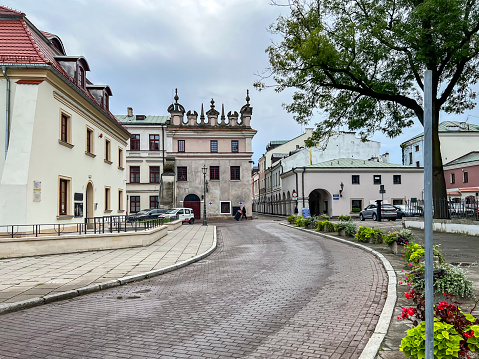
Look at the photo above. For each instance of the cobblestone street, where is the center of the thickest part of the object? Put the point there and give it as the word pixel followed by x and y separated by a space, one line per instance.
pixel 268 291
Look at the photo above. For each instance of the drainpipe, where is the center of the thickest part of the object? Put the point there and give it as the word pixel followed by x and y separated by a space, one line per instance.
pixel 7 112
pixel 293 170
pixel 302 190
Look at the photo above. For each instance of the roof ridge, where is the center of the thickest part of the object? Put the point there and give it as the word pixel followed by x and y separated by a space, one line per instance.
pixel 34 43
pixel 8 10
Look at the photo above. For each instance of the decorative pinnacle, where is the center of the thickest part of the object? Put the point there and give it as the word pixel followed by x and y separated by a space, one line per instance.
pixel 212 104
pixel 202 116
pixel 222 111
pixel 247 97
pixel 176 96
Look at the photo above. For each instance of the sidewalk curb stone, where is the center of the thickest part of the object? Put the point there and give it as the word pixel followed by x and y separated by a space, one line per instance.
pixel 30 303
pixel 371 349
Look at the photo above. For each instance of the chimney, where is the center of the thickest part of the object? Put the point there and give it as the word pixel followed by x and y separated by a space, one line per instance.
pixel 130 111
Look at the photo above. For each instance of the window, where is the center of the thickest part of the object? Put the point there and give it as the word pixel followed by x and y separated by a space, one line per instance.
pixel 63 196
pixel 65 129
pixel 81 77
pixel 181 174
pixel 154 142
pixel 108 151
pixel 235 173
pixel 214 146
pixel 134 174
pixel 153 202
pixel 120 200
pixel 225 207
pixel 134 204
pixel 234 146
pixel 453 178
pixel 356 205
pixel 416 148
pixel 120 158
pixel 410 158
pixel 355 179
pixel 135 142
pixel 465 177
pixel 214 173
pixel 377 179
pixel 107 199
pixel 396 179
pixel 154 175
pixel 397 201
pixel 181 145
pixel 89 141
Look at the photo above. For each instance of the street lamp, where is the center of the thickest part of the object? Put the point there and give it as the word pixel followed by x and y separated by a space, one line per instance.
pixel 203 169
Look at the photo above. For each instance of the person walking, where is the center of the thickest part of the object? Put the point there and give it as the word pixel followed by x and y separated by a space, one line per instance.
pixel 244 213
pixel 296 210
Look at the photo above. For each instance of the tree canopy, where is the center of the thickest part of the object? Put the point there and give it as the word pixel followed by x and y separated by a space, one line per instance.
pixel 362 62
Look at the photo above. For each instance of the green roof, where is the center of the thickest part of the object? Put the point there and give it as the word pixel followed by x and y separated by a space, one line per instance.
pixel 148 120
pixel 355 163
pixel 452 126
pixel 470 157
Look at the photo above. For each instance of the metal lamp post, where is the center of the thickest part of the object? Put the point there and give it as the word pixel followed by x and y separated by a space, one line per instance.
pixel 203 169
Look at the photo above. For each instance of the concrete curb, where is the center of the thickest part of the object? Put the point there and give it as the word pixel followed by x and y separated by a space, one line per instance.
pixel 372 347
pixel 34 302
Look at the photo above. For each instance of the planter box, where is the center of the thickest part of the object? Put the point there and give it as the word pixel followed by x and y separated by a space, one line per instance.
pixel 397 249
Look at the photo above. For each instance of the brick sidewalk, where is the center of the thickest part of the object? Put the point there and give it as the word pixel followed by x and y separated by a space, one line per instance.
pixel 27 278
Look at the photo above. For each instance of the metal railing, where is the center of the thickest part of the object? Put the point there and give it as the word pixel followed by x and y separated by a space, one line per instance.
pixel 93 225
pixel 453 208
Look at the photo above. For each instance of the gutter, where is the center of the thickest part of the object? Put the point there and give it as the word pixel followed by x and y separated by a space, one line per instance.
pixel 296 173
pixel 7 111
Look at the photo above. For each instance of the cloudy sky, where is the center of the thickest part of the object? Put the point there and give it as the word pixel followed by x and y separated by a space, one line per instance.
pixel 144 49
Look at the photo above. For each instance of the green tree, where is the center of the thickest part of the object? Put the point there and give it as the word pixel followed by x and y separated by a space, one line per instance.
pixel 362 62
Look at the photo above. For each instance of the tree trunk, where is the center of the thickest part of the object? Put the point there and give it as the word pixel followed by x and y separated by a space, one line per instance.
pixel 439 193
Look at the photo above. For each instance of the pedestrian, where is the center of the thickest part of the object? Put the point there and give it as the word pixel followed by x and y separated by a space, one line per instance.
pixel 244 213
pixel 296 210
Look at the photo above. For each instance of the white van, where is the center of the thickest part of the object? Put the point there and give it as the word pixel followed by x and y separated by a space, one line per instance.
pixel 184 214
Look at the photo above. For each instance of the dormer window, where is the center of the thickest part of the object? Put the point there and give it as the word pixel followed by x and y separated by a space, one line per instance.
pixel 81 77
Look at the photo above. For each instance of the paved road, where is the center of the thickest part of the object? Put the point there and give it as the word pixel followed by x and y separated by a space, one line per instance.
pixel 267 292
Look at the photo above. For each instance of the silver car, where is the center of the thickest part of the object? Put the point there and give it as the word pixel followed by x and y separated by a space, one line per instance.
pixel 387 212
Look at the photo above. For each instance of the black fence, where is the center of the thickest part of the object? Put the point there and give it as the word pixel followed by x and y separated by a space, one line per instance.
pixel 453 208
pixel 94 225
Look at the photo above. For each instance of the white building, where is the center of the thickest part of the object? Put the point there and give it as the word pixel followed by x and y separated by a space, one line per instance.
pixel 345 186
pixel 457 139
pixel 145 161
pixel 64 151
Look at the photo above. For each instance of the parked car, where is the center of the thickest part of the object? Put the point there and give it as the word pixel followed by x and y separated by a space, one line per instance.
pixel 184 214
pixel 387 212
pixel 408 211
pixel 145 214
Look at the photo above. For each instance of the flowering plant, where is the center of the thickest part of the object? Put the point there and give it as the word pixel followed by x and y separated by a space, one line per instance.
pixel 404 236
pixel 455 333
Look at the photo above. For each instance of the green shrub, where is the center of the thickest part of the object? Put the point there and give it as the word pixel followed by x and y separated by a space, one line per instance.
pixel 404 236
pixel 415 252
pixel 306 221
pixel 298 221
pixel 320 225
pixel 446 279
pixel 345 218
pixel 290 219
pixel 329 226
pixel 350 229
pixel 324 216
pixel 355 210
pixel 365 234
pixel 446 341
pixel 166 220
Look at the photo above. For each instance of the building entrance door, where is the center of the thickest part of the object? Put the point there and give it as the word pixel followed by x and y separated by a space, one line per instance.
pixel 193 201
pixel 89 213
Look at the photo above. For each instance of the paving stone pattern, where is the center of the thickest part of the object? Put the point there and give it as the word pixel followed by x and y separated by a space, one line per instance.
pixel 267 292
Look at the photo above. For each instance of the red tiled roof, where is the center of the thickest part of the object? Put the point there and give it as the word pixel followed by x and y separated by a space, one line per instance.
pixel 7 11
pixel 22 44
